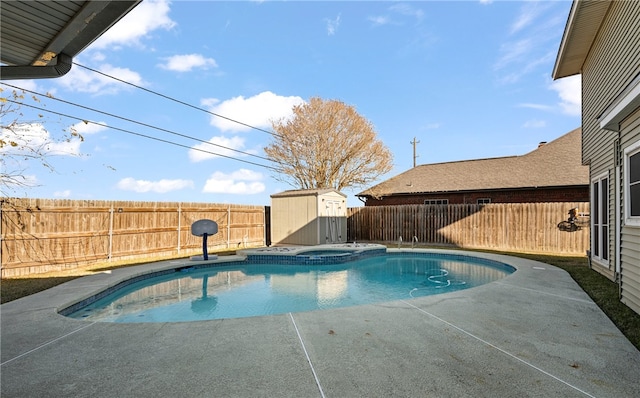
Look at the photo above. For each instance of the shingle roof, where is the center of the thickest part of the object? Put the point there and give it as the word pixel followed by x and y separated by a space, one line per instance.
pixel 557 163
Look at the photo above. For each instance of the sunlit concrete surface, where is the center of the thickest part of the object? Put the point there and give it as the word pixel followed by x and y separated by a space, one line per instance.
pixel 534 333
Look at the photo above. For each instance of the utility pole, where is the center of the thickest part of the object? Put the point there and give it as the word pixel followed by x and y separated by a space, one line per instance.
pixel 414 142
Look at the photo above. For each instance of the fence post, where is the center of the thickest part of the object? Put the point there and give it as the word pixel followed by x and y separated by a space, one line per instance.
pixel 228 226
pixel 110 231
pixel 179 226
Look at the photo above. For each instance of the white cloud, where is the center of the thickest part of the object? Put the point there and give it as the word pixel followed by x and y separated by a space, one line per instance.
pixel 524 65
pixel 148 16
pixel 202 151
pixel 406 9
pixel 34 140
pixel 256 111
pixel 513 52
pixel 187 62
pixel 83 128
pixel 530 12
pixel 85 81
pixel 98 57
pixel 403 9
pixel 531 35
pixel 379 20
pixel 62 194
pixel 161 186
pixel 534 124
pixel 24 85
pixel 30 180
pixel 432 126
pixel 535 106
pixel 243 182
pixel 569 90
pixel 332 25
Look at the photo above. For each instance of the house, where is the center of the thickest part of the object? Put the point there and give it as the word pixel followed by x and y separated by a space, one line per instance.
pixel 601 43
pixel 551 173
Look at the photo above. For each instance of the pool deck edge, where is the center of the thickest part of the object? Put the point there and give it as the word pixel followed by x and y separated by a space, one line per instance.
pixel 532 333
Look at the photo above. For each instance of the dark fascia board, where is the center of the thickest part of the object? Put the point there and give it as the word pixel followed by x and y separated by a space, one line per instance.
pixel 474 190
pixel 93 20
pixel 60 68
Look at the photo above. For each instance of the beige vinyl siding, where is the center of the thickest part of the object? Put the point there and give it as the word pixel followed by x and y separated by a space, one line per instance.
pixel 608 69
pixel 630 235
pixel 630 272
pixel 610 66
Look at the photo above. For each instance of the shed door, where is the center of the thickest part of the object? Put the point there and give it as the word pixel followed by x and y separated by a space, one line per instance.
pixel 332 215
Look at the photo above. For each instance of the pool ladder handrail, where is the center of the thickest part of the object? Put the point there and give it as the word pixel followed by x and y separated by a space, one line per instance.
pixel 414 240
pixel 399 241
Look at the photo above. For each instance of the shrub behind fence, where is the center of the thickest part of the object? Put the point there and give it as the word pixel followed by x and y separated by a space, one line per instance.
pixel 523 227
pixel 41 235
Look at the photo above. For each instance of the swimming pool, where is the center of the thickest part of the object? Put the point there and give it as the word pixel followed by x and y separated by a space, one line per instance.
pixel 256 288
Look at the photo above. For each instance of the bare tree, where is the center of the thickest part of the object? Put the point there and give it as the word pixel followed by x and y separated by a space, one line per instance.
pixel 24 141
pixel 327 144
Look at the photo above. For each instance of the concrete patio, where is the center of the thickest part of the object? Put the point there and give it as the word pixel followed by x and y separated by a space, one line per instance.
pixel 534 333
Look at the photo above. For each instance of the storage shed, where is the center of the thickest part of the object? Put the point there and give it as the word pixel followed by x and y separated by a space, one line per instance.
pixel 308 217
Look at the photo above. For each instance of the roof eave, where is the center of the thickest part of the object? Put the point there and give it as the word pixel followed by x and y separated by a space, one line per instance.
pixel 366 195
pixel 55 60
pixel 583 25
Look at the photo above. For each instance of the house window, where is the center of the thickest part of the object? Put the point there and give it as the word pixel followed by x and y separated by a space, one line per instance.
pixel 632 184
pixel 436 202
pixel 600 218
pixel 484 201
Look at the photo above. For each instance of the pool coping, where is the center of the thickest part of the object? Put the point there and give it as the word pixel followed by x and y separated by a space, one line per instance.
pixel 534 332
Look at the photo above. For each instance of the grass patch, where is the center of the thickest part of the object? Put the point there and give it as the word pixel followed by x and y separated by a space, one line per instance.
pixel 13 289
pixel 601 290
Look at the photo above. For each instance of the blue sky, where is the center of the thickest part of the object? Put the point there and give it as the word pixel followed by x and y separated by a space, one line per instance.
pixel 468 79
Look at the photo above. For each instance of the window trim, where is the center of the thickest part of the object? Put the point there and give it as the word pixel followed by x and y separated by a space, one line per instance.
pixel 483 201
pixel 631 150
pixel 597 223
pixel 622 106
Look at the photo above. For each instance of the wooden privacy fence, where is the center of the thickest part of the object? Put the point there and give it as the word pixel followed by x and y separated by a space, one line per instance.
pixel 523 227
pixel 40 235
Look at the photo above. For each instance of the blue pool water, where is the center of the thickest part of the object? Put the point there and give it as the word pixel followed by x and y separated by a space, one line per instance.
pixel 245 290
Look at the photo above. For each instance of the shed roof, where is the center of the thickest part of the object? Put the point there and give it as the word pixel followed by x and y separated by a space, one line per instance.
pixel 38 39
pixel 555 164
pixel 307 192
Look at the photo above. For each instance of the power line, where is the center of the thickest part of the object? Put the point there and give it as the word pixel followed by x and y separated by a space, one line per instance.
pixel 136 122
pixel 140 134
pixel 178 101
